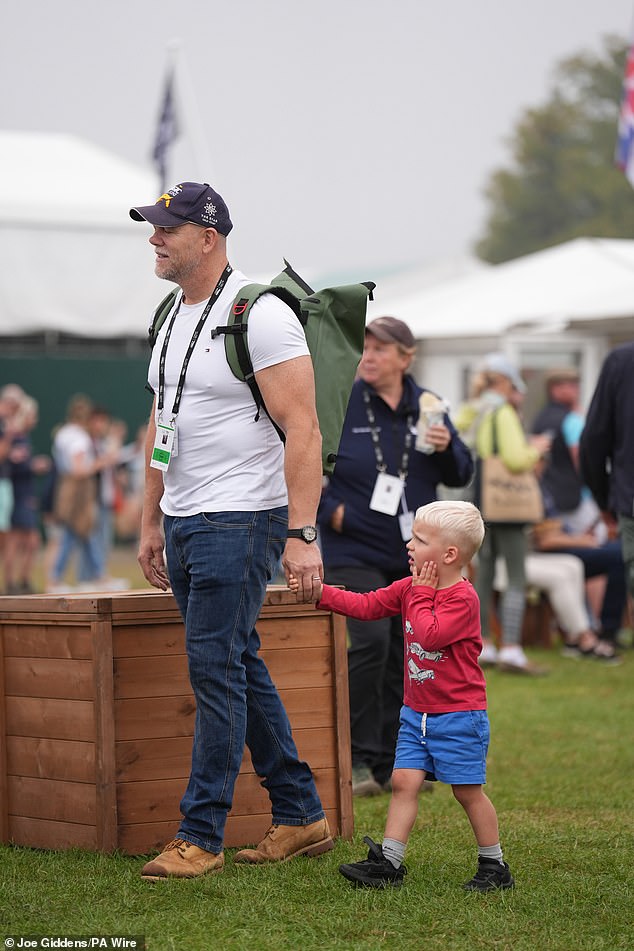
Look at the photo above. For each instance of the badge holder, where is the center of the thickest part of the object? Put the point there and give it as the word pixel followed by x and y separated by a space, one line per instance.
pixel 164 446
pixel 406 520
pixel 386 494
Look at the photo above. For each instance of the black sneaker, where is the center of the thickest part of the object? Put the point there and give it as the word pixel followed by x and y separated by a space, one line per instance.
pixel 376 871
pixel 491 874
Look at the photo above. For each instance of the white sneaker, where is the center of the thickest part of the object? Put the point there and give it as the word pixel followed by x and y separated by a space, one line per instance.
pixel 489 656
pixel 513 655
pixel 512 658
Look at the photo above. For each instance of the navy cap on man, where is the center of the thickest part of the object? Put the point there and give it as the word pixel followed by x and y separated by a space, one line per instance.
pixel 188 202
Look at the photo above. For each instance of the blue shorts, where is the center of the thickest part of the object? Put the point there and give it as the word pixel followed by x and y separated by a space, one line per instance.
pixel 451 747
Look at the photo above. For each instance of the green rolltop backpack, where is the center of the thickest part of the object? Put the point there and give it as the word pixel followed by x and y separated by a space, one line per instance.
pixel 334 323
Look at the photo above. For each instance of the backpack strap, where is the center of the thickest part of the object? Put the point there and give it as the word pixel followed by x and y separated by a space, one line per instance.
pixel 236 342
pixel 160 315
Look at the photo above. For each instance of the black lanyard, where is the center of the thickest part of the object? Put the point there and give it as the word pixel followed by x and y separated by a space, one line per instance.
pixel 215 294
pixel 376 442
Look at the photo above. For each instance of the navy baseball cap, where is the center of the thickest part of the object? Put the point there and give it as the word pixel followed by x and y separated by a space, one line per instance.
pixel 188 202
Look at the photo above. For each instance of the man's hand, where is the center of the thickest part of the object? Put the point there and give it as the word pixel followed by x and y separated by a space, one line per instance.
pixel 293 584
pixel 303 564
pixel 427 575
pixel 152 560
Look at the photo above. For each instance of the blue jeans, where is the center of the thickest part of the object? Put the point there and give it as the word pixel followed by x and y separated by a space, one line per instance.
pixel 219 565
pixel 88 568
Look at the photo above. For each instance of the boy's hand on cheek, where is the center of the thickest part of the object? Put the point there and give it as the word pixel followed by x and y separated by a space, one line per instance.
pixel 427 575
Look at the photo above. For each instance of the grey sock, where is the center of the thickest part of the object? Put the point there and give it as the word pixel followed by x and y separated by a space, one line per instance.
pixel 491 852
pixel 394 851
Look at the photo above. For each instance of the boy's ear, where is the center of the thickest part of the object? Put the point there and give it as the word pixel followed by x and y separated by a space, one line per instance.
pixel 451 555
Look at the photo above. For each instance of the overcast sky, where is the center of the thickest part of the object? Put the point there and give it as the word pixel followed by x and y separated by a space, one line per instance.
pixel 351 136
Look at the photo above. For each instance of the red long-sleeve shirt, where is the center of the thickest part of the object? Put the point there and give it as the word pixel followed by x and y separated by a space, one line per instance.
pixel 442 640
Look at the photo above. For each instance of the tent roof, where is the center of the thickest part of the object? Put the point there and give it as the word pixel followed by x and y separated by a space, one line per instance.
pixel 584 279
pixel 60 180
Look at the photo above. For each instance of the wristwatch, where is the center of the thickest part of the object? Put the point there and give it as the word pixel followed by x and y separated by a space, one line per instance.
pixel 307 534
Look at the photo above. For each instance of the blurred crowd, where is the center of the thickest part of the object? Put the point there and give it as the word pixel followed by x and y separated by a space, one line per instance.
pixel 61 512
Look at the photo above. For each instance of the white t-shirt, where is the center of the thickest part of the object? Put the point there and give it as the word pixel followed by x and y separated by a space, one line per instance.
pixel 226 461
pixel 70 441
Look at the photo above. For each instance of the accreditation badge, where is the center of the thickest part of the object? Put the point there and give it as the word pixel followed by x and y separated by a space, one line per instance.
pixel 163 449
pixel 387 494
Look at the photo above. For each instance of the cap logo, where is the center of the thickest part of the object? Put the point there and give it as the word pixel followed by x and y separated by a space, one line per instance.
pixel 208 213
pixel 171 193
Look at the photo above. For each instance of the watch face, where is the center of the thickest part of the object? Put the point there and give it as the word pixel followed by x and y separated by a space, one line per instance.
pixel 309 534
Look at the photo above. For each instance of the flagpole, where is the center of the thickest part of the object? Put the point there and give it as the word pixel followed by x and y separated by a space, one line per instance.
pixel 192 125
pixel 167 131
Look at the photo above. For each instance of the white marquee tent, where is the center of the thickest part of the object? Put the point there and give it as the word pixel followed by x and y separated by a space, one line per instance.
pixel 564 305
pixel 72 259
pixel 587 279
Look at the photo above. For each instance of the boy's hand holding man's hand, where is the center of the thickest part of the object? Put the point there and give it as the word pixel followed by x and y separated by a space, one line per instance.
pixel 427 575
pixel 293 585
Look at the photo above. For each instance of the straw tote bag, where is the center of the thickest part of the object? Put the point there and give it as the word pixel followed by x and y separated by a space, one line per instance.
pixel 505 496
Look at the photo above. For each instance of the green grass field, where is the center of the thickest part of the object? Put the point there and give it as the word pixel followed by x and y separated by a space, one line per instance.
pixel 561 774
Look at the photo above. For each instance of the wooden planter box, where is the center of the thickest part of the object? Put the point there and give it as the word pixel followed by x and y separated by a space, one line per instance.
pixel 97 716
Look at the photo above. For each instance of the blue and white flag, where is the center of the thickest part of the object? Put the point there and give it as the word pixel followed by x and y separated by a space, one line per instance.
pixel 624 155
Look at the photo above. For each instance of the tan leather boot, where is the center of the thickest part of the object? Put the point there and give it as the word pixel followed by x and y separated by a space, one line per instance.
pixel 285 842
pixel 180 859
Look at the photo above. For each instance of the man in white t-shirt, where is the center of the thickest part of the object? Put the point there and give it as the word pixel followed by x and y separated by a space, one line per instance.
pixel 225 500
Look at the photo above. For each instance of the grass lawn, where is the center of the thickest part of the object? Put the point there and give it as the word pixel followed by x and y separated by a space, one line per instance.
pixel 561 774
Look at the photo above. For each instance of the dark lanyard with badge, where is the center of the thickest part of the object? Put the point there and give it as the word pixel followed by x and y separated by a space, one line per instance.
pixel 389 490
pixel 166 441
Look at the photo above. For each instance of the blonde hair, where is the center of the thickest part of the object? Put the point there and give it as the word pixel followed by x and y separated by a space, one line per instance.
pixel 459 523
pixel 26 413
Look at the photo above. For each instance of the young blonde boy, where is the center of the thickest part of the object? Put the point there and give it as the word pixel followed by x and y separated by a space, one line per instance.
pixel 444 732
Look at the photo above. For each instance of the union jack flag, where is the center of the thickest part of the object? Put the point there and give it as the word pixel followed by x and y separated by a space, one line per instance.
pixel 167 131
pixel 624 155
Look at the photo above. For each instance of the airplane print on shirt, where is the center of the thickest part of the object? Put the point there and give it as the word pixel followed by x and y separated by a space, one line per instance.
pixel 416 673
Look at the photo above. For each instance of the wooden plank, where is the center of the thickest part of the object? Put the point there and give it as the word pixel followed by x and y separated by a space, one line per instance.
pixel 149 837
pixel 144 719
pixel 309 708
pixel 159 801
pixel 170 757
pixel 342 724
pixel 148 639
pixel 305 669
pixel 161 677
pixel 294 633
pixel 47 834
pixel 86 604
pixel 44 639
pixel 156 676
pixel 49 677
pixel 51 799
pixel 51 759
pixel 166 757
pixel 58 719
pixel 105 768
pixel 4 816
pixel 317 746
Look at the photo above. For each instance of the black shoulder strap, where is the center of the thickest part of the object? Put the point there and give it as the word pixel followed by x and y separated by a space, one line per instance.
pixel 236 341
pixel 160 315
